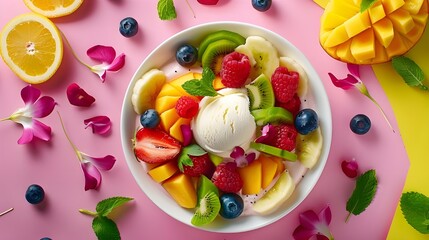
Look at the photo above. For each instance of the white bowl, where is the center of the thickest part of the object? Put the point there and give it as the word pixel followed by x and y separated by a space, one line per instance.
pixel 165 53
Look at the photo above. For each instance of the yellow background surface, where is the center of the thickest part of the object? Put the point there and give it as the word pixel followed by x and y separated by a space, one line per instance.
pixel 411 108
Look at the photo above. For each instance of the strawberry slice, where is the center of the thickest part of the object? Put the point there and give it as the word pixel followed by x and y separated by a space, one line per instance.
pixel 155 146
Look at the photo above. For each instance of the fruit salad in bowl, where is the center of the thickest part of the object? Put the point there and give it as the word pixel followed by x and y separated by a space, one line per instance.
pixel 226 127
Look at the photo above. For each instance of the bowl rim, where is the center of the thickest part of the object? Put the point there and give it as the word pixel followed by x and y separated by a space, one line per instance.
pixel 320 94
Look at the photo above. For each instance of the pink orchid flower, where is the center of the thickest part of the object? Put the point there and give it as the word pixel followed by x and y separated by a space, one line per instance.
pixel 90 165
pixel 109 62
pixel 35 107
pixel 312 224
pixel 78 97
pixel 241 158
pixel 353 81
pixel 99 124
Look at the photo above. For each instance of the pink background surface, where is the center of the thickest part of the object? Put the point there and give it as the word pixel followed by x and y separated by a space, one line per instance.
pixel 54 166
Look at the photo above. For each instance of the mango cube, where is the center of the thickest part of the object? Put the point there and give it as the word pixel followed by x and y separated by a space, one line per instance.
pixel 362 46
pixel 181 189
pixel 402 21
pixel 164 171
pixel 168 90
pixel 269 169
pixel 168 118
pixel 252 177
pixel 176 131
pixel 376 12
pixel 357 24
pixel 413 6
pixel 392 5
pixel 165 103
pixel 384 32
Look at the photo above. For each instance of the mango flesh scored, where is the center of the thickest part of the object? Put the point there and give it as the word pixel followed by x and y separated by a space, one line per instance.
pixel 165 104
pixel 164 171
pixel 252 178
pixel 181 188
pixel 388 28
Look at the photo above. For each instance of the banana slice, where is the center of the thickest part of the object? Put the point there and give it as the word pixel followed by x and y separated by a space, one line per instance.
pixel 309 147
pixel 276 196
pixel 293 65
pixel 264 54
pixel 146 89
pixel 246 51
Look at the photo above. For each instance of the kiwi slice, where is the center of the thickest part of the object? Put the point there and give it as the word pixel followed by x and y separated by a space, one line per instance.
pixel 205 186
pixel 214 53
pixel 207 209
pixel 272 115
pixel 219 35
pixel 275 151
pixel 260 92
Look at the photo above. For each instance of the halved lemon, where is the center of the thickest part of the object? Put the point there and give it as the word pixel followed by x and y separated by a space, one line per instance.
pixel 31 46
pixel 53 8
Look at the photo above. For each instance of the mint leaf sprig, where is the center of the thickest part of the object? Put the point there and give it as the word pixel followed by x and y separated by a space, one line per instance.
pixel 167 11
pixel 415 208
pixel 202 87
pixel 409 71
pixel 104 227
pixel 191 150
pixel 363 194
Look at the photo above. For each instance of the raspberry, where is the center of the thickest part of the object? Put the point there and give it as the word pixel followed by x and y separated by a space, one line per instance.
pixel 285 137
pixel 284 83
pixel 202 165
pixel 293 105
pixel 235 70
pixel 227 178
pixel 186 107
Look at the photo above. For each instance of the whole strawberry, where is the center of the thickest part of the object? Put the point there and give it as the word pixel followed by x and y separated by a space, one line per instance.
pixel 285 84
pixel 235 70
pixel 201 165
pixel 226 177
pixel 284 137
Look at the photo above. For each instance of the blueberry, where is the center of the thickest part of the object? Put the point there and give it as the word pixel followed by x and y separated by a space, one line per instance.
pixel 128 27
pixel 231 205
pixel 34 194
pixel 360 124
pixel 261 5
pixel 186 55
pixel 45 238
pixel 306 121
pixel 150 118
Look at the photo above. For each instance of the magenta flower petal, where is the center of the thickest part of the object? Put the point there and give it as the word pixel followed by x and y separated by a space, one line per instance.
pixel 237 152
pixel 345 83
pixel 187 134
pixel 92 176
pixel 43 107
pixel 325 216
pixel 302 233
pixel 78 97
pixel 104 163
pixel 350 168
pixel 267 134
pixel 99 124
pixel 321 237
pixel 353 69
pixel 308 219
pixel 117 64
pixel 250 157
pixel 30 94
pixel 105 54
pixel 33 128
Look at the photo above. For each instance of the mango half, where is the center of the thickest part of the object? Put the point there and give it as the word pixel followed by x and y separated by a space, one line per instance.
pixel 386 29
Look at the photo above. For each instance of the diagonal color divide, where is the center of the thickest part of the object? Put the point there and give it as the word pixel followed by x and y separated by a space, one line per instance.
pixel 405 102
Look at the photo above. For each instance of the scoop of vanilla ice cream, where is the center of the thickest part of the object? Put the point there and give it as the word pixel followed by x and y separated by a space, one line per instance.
pixel 224 122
